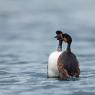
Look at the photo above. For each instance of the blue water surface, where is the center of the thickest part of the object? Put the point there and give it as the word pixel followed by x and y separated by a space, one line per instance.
pixel 27 30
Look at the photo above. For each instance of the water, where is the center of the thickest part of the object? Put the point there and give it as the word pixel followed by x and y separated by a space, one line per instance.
pixel 27 28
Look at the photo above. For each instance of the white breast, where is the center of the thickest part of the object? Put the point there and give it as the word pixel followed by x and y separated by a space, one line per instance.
pixel 52 64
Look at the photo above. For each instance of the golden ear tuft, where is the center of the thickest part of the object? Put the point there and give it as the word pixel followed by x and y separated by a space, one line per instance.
pixel 65 40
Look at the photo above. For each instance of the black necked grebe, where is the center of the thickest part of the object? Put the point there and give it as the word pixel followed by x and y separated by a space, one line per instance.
pixel 67 63
pixel 52 61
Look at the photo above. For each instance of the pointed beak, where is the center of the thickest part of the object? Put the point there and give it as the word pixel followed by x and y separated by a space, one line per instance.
pixel 55 36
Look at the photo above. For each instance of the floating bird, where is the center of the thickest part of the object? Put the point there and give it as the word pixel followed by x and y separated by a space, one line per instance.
pixel 53 58
pixel 67 63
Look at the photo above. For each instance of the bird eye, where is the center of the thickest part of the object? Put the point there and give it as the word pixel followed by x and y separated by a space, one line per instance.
pixel 58 32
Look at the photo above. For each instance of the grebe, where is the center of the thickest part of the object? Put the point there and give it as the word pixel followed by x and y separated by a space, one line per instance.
pixel 67 63
pixel 52 61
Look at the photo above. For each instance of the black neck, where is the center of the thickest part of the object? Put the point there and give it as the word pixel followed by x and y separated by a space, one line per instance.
pixel 60 46
pixel 69 47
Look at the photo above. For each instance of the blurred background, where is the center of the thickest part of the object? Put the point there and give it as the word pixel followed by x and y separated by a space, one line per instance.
pixel 27 30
